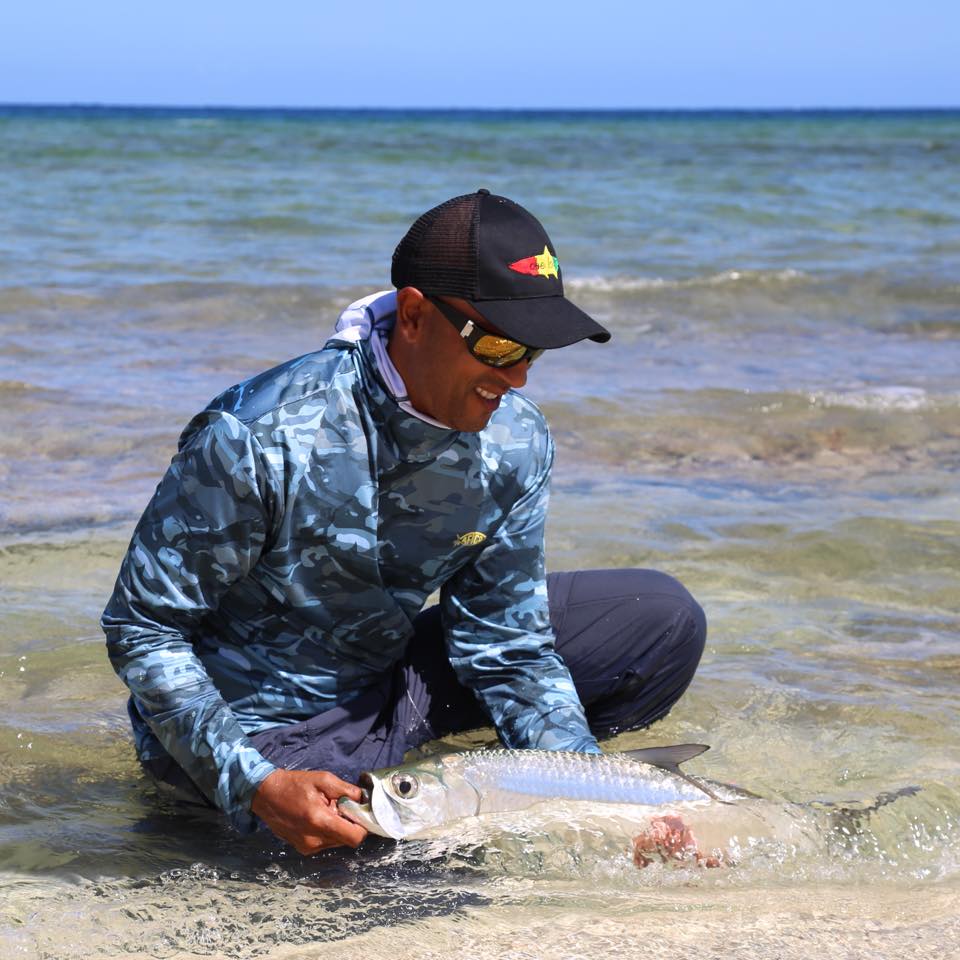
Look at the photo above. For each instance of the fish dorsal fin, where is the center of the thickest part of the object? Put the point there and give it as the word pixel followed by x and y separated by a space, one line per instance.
pixel 668 758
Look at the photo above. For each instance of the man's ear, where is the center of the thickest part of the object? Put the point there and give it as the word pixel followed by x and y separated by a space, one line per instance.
pixel 411 314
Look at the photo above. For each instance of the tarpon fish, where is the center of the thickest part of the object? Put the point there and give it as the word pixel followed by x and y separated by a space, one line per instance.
pixel 406 800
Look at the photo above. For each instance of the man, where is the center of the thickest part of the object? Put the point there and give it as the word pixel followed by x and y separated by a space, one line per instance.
pixel 268 615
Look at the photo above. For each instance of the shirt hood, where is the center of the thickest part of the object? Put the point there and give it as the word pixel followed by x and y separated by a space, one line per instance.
pixel 370 319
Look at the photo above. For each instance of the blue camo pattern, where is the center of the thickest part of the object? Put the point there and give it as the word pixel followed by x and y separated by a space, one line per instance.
pixel 299 529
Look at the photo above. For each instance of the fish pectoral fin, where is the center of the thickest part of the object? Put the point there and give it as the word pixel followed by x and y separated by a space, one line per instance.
pixel 479 795
pixel 668 758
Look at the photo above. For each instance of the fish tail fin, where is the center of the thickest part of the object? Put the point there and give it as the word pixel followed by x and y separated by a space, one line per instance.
pixel 850 817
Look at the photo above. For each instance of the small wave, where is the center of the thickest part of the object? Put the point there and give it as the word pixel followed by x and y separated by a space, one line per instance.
pixel 20 299
pixel 60 301
pixel 275 223
pixel 760 278
pixel 935 218
pixel 881 399
pixel 10 387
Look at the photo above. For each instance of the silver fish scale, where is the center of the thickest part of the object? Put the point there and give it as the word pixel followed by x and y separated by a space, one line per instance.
pixel 577 776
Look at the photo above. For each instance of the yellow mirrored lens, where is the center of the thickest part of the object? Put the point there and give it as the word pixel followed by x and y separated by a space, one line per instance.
pixel 498 351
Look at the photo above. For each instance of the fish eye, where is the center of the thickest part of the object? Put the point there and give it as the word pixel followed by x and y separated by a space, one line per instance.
pixel 405 785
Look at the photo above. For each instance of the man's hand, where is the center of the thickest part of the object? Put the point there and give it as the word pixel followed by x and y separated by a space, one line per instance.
pixel 669 838
pixel 300 806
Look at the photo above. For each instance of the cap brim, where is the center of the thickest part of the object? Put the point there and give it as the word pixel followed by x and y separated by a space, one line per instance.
pixel 541 322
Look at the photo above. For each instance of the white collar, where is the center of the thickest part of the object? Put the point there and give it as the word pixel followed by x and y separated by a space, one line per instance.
pixel 372 318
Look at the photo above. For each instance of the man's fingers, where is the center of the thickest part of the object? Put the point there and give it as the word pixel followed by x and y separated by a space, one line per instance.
pixel 300 807
pixel 669 838
pixel 335 788
pixel 332 831
pixel 336 828
pixel 347 832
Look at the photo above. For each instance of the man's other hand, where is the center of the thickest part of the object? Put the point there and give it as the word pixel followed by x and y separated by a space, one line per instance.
pixel 300 806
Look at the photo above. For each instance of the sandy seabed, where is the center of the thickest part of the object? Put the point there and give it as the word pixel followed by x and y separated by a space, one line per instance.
pixel 842 923
pixel 834 924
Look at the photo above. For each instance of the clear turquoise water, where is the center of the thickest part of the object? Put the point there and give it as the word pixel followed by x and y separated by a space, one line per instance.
pixel 777 422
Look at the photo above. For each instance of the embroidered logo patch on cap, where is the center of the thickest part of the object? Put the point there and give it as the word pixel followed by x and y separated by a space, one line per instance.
pixel 542 265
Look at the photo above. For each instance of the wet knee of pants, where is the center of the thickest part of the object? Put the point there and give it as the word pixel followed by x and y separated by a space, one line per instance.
pixel 663 634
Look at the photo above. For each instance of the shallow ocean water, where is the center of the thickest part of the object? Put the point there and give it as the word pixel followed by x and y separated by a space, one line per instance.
pixel 777 423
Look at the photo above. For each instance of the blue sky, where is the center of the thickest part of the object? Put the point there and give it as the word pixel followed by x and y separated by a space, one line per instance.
pixel 592 53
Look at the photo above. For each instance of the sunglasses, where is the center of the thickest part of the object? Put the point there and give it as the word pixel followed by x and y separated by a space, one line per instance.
pixel 487 347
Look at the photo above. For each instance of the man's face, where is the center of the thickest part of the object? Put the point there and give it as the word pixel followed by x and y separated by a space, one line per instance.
pixel 443 378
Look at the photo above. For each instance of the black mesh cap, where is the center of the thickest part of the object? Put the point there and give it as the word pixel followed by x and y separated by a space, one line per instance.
pixel 492 253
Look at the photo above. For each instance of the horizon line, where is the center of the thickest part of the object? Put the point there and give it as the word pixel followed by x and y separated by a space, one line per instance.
pixel 106 105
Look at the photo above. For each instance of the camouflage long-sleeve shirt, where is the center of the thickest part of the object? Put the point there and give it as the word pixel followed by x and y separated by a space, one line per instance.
pixel 297 533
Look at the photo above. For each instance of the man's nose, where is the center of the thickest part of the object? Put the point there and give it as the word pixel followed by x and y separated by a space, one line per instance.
pixel 515 376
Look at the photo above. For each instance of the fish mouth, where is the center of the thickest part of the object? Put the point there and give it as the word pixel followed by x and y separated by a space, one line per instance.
pixel 363 813
pixel 360 812
pixel 365 782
